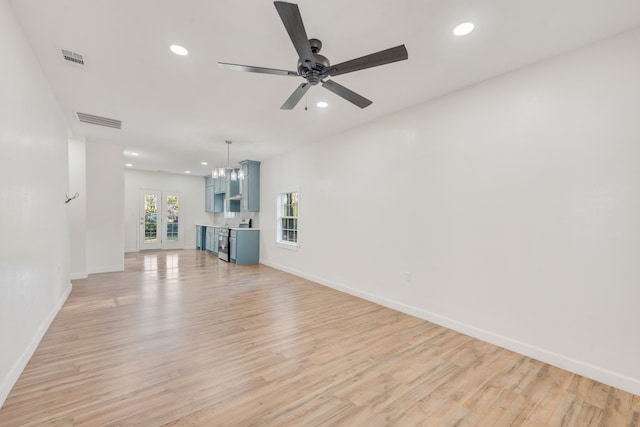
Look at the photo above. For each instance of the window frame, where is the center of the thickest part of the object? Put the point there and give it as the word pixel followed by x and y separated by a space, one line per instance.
pixel 280 216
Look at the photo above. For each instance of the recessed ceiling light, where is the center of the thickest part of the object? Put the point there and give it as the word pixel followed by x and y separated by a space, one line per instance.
pixel 463 29
pixel 134 154
pixel 179 50
pixel 204 163
pixel 128 165
pixel 322 104
pixel 187 171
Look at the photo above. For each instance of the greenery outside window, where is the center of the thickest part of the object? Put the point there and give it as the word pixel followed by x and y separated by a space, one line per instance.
pixel 288 206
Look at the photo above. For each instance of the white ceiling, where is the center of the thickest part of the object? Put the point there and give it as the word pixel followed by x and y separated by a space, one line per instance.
pixel 178 111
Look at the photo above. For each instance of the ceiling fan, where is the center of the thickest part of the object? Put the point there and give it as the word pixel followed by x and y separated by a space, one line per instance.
pixel 315 68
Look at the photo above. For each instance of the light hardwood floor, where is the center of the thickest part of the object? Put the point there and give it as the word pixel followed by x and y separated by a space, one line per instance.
pixel 181 338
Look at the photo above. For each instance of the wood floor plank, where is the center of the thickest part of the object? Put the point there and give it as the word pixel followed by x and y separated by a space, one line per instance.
pixel 181 338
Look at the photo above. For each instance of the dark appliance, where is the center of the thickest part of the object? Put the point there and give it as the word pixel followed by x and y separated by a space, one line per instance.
pixel 223 244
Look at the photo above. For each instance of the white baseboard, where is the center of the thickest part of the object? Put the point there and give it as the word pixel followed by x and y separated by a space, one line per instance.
pixel 13 375
pixel 107 269
pixel 605 376
pixel 185 247
pixel 81 275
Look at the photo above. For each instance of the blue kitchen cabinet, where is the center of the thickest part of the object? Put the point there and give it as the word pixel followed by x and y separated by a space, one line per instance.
pixel 213 201
pixel 219 185
pixel 232 186
pixel 216 239
pixel 201 237
pixel 212 242
pixel 208 194
pixel 250 185
pixel 244 246
pixel 218 202
pixel 232 194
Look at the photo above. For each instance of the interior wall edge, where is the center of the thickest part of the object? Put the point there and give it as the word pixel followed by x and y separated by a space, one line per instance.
pixel 12 377
pixel 605 376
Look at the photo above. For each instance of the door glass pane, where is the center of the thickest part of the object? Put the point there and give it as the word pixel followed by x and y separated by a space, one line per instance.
pixel 150 218
pixel 172 218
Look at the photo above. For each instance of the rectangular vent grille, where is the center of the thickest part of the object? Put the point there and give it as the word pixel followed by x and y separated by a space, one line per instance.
pixel 100 121
pixel 74 57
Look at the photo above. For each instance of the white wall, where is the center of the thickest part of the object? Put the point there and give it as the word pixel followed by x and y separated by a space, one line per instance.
pixel 77 208
pixel 34 253
pixel 508 211
pixel 191 189
pixel 105 208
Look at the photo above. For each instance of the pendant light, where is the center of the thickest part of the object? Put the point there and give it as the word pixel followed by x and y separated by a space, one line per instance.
pixel 220 172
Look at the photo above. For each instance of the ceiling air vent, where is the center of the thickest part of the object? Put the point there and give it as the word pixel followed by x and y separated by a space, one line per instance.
pixel 100 121
pixel 73 57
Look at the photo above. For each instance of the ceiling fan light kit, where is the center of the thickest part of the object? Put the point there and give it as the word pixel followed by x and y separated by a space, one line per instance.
pixel 315 68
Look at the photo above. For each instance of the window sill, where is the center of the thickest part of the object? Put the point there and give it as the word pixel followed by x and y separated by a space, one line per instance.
pixel 289 246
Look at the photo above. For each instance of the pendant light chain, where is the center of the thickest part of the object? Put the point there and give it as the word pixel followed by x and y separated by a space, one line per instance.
pixel 232 172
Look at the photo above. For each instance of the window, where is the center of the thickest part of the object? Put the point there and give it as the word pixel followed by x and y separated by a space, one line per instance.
pixel 288 218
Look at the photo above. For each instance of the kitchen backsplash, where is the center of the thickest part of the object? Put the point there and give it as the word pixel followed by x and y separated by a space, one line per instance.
pixel 219 219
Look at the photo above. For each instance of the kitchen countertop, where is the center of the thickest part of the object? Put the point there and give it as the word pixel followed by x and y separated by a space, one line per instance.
pixel 227 226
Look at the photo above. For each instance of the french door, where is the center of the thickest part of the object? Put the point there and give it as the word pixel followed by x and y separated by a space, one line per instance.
pixel 159 220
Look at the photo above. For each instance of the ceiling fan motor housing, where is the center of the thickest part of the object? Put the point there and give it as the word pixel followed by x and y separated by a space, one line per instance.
pixel 314 75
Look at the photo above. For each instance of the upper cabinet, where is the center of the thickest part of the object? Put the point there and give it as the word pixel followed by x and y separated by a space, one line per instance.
pixel 232 195
pixel 219 184
pixel 250 185
pixel 213 202
pixel 208 194
pixel 232 186
pixel 239 195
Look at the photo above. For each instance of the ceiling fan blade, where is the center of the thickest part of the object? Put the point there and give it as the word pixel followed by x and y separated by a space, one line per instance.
pixel 292 20
pixel 394 54
pixel 296 96
pixel 251 69
pixel 347 94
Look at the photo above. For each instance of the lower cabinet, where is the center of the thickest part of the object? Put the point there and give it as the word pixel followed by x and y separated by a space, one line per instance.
pixel 216 237
pixel 212 242
pixel 199 239
pixel 244 246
